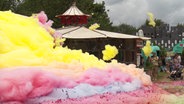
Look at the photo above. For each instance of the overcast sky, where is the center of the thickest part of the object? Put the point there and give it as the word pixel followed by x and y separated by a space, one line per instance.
pixel 134 12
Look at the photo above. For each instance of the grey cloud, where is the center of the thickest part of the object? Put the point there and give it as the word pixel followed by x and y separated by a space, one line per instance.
pixel 168 10
pixel 112 2
pixel 129 12
pixel 134 12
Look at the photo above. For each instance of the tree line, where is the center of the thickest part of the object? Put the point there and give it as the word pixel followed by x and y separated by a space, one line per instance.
pixel 56 7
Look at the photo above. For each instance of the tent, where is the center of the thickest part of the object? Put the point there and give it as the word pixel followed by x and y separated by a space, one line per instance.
pixel 178 48
pixel 155 49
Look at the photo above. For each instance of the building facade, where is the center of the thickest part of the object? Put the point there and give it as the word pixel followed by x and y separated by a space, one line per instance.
pixel 164 35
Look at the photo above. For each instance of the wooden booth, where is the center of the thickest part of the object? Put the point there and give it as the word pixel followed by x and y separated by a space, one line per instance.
pixel 94 41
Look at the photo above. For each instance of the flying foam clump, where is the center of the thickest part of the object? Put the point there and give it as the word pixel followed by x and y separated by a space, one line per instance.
pixel 109 52
pixel 151 19
pixel 147 48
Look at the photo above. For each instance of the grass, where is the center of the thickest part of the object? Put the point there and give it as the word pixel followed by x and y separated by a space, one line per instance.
pixel 163 77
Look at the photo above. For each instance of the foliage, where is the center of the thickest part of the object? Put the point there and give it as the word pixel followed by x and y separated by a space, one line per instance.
pixel 148 65
pixel 27 7
pixel 124 28
pixel 180 25
pixel 9 4
pixel 158 22
pixel 163 52
pixel 55 7
pixel 51 8
pixel 97 12
pixel 182 53
pixel 182 57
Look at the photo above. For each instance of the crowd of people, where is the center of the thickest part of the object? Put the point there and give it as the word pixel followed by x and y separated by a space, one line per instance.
pixel 175 67
pixel 168 64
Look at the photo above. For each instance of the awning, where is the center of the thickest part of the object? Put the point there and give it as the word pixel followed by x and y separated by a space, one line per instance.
pixel 178 48
pixel 116 35
pixel 80 33
pixel 83 32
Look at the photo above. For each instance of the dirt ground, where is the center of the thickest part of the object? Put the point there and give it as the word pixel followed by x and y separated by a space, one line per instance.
pixel 172 86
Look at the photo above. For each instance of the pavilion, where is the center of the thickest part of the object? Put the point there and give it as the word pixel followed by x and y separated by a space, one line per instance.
pixel 94 41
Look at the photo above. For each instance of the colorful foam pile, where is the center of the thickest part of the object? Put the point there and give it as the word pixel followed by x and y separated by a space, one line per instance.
pixel 33 72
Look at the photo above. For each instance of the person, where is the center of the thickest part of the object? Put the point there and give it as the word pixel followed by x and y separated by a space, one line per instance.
pixel 154 60
pixel 176 61
pixel 148 66
pixel 179 58
pixel 172 63
pixel 141 62
pixel 163 64
pixel 168 61
pixel 177 73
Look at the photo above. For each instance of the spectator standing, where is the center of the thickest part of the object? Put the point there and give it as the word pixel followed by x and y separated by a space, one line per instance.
pixel 148 66
pixel 154 60
pixel 163 64
pixel 168 63
pixel 176 61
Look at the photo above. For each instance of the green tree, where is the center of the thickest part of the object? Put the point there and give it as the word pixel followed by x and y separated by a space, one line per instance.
pixel 9 4
pixel 182 57
pixel 124 28
pixel 56 7
pixel 163 51
pixel 157 21
pixel 180 25
pixel 100 16
pixel 51 8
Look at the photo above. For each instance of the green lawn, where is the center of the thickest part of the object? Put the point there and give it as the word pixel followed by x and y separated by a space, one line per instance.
pixel 163 77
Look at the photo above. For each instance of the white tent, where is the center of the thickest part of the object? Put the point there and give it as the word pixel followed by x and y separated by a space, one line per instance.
pixel 82 33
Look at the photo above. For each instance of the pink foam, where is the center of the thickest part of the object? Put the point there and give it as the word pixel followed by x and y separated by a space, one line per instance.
pixel 133 71
pixel 42 17
pixel 100 77
pixel 18 85
pixel 21 83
